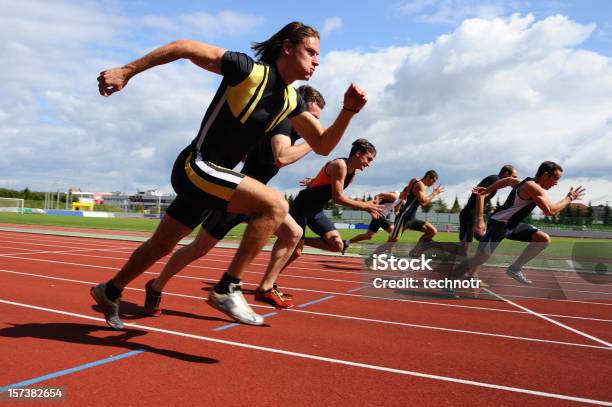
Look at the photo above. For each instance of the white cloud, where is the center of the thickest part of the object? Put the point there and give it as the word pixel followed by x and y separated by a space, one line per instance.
pixel 331 24
pixel 494 91
pixel 452 12
pixel 144 152
pixel 224 23
pixel 159 22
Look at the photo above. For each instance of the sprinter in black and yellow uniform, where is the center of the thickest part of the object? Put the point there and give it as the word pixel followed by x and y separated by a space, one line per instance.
pixel 254 97
pixel 263 162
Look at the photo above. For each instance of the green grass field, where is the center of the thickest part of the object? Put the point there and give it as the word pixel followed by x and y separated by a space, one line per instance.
pixel 561 246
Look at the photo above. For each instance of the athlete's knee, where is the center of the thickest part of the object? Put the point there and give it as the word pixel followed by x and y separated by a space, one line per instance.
pixel 275 206
pixel 541 237
pixel 430 230
pixel 294 235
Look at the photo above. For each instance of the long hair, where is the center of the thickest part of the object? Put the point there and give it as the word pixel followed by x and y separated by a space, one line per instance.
pixel 269 50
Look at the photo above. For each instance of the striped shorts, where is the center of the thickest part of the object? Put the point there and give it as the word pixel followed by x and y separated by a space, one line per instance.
pixel 200 186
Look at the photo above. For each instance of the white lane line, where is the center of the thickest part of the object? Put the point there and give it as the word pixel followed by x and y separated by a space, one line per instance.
pixel 261 273
pixel 75 252
pixel 443 304
pixel 552 321
pixel 330 360
pixel 67 245
pixel 348 317
pixel 220 250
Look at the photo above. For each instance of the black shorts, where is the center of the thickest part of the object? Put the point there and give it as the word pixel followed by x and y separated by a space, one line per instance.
pixel 376 224
pixel 498 231
pixel 407 223
pixel 317 221
pixel 467 222
pixel 218 223
pixel 200 186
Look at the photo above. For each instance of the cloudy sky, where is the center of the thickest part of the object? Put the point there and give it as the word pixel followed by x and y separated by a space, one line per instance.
pixel 459 86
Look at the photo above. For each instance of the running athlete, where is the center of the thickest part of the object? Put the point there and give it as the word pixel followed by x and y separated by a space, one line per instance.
pixel 390 201
pixel 330 182
pixel 506 222
pixel 262 163
pixel 471 217
pixel 253 98
pixel 416 197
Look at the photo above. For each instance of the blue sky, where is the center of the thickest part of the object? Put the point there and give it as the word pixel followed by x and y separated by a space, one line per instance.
pixel 369 24
pixel 459 86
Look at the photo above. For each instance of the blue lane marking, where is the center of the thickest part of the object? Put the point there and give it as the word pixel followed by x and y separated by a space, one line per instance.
pixel 315 301
pixel 233 324
pixel 68 371
pixel 358 288
pixel 221 328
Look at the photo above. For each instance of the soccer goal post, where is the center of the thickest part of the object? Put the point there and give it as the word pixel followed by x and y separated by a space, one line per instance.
pixel 11 205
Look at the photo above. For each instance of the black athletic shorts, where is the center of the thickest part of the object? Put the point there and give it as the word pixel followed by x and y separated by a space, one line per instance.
pixel 467 222
pixel 408 223
pixel 200 186
pixel 317 221
pixel 219 223
pixel 498 231
pixel 379 223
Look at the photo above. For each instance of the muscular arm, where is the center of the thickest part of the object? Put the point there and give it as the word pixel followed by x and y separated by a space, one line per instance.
pixel 536 193
pixel 284 153
pixel 480 209
pixel 425 200
pixel 204 55
pixel 389 196
pixel 337 172
pixel 323 140
pixel 499 184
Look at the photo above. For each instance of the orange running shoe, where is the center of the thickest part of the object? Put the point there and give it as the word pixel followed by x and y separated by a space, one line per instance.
pixel 274 298
pixel 285 295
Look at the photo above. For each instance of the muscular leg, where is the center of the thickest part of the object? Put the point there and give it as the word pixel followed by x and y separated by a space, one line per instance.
pixel 330 241
pixel 166 236
pixel 108 295
pixel 539 242
pixel 296 253
pixel 184 256
pixel 289 235
pixel 266 208
pixel 471 265
pixel 429 231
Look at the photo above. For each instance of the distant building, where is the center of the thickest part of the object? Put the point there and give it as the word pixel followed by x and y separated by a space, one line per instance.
pixel 150 200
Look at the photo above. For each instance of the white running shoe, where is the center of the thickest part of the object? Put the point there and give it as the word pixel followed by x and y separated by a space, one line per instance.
pixel 109 308
pixel 234 305
pixel 518 275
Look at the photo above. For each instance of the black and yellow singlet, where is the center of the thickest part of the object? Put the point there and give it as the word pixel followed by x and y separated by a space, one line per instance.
pixel 251 101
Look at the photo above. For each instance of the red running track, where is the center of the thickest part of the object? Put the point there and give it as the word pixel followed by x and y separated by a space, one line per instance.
pixel 342 350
